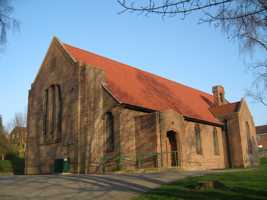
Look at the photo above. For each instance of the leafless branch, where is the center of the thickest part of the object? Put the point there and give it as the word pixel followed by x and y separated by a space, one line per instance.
pixel 242 20
pixel 6 20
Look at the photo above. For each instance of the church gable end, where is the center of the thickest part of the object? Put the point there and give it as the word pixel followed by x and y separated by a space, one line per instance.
pixel 52 97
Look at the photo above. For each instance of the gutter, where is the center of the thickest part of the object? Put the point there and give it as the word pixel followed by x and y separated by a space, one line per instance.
pixel 148 110
pixel 203 121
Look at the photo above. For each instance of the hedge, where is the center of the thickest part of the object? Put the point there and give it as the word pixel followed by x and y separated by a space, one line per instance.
pixel 13 164
pixel 6 166
pixel 18 164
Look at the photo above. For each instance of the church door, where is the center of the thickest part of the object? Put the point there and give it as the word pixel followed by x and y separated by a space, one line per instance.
pixel 173 153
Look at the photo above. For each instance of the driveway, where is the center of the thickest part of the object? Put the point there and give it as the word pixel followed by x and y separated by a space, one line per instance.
pixel 96 187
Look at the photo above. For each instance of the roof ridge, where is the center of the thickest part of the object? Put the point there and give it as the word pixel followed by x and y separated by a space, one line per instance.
pixel 135 68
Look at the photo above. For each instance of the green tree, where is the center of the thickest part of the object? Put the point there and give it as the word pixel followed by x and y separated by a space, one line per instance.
pixel 1 125
pixel 4 143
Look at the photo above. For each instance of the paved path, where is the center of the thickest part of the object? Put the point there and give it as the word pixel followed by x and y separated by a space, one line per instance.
pixel 96 187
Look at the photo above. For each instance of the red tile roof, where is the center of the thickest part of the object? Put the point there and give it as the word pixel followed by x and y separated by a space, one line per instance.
pixel 223 110
pixel 139 88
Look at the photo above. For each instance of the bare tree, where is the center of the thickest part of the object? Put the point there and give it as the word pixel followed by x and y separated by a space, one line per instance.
pixel 19 120
pixel 6 20
pixel 242 20
pixel 4 144
pixel 1 125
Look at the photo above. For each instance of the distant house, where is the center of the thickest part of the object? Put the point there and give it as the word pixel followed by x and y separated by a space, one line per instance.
pixel 262 135
pixel 101 115
pixel 17 138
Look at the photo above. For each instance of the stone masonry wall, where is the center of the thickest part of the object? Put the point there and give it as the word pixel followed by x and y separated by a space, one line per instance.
pixel 126 128
pixel 91 134
pixel 235 147
pixel 237 131
pixel 185 137
pixel 244 116
pixel 146 140
pixel 59 69
pixel 207 159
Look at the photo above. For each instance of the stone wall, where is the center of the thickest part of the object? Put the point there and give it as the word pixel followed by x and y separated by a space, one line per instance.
pixel 146 140
pixel 245 117
pixel 91 131
pixel 208 158
pixel 241 131
pixel 234 137
pixel 186 146
pixel 59 69
pixel 126 128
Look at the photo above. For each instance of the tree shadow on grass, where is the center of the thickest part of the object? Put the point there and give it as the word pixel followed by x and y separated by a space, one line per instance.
pixel 180 192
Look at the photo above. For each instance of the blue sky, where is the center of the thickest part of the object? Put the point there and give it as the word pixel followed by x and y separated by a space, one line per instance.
pixel 196 55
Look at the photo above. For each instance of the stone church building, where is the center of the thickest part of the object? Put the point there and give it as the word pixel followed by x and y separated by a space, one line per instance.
pixel 101 115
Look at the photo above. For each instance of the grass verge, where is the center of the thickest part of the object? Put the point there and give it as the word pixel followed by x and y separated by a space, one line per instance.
pixel 240 185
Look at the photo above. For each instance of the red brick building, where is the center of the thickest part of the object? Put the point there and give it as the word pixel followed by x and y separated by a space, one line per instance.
pixel 262 135
pixel 103 115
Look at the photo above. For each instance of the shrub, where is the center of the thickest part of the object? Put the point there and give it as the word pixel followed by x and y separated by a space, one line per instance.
pixel 263 161
pixel 6 166
pixel 17 163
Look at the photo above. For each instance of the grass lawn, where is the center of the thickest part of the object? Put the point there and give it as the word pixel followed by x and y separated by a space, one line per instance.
pixel 247 184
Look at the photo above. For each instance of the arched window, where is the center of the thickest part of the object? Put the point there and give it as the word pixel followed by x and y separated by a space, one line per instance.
pixel 110 137
pixel 215 142
pixel 249 141
pixel 52 111
pixel 198 139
